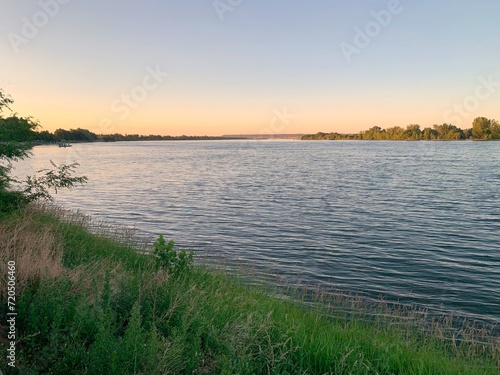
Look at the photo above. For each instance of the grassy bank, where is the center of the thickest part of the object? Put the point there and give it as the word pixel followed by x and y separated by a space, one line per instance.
pixel 90 304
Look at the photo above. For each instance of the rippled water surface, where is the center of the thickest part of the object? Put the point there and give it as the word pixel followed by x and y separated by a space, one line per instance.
pixel 417 222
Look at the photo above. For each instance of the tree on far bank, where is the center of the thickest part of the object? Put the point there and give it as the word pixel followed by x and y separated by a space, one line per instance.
pixel 495 129
pixel 481 128
pixel 46 137
pixel 75 135
pixel 413 132
pixel 429 134
pixel 449 132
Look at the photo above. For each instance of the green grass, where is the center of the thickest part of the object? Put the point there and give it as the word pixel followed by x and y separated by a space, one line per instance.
pixel 106 309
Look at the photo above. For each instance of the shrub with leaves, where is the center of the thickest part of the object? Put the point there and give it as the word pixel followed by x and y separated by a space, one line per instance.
pixel 37 187
pixel 168 259
pixel 16 136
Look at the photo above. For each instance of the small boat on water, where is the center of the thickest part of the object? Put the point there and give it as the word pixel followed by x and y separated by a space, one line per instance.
pixel 64 144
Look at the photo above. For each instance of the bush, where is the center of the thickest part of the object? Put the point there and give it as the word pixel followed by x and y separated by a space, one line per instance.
pixel 11 201
pixel 168 259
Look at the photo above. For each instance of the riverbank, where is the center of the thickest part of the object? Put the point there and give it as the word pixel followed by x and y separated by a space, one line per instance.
pixel 91 303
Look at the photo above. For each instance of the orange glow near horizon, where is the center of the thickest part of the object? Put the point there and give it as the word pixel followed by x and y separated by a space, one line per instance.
pixel 176 110
pixel 215 119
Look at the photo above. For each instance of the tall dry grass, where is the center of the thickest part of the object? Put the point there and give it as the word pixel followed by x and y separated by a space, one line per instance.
pixel 34 249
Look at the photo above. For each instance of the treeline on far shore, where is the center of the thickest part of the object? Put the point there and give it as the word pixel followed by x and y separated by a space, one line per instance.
pixel 84 135
pixel 482 129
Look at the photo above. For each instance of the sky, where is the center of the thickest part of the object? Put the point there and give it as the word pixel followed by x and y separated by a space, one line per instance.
pixel 213 67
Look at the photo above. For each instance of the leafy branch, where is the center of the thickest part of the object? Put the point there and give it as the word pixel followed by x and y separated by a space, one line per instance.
pixel 38 187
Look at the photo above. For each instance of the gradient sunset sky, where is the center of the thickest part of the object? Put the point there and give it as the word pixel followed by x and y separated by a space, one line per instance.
pixel 256 66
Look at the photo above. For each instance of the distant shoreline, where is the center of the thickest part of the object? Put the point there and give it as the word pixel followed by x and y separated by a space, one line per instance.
pixel 268 139
pixel 482 129
pixel 179 138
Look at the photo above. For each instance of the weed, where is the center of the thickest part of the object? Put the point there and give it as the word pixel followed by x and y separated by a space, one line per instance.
pixel 168 259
